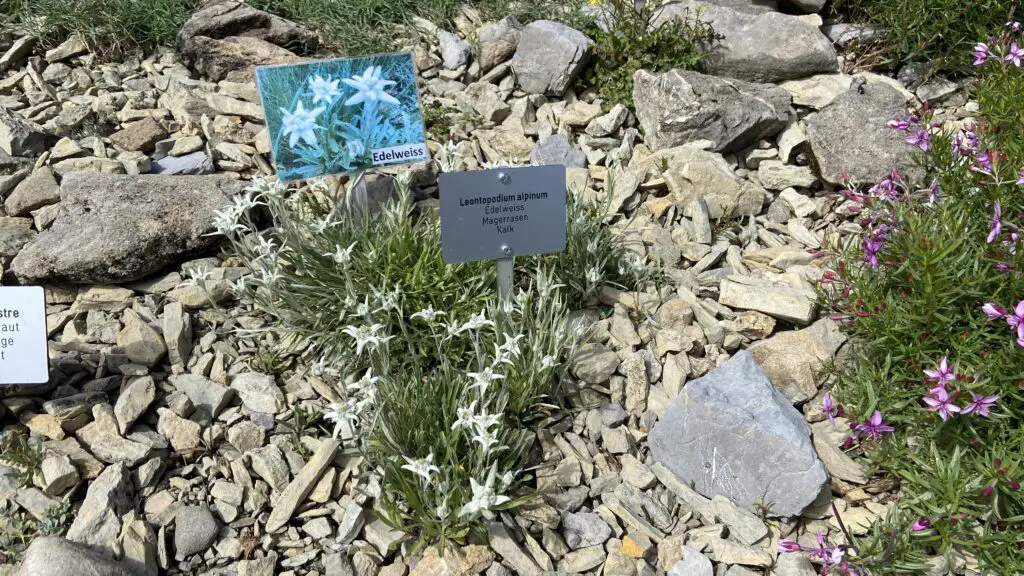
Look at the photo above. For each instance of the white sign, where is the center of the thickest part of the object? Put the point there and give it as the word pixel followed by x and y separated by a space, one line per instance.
pixel 23 355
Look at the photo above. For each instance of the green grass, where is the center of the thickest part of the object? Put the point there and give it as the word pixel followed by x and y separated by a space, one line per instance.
pixel 930 30
pixel 111 26
pixel 368 26
pixel 348 27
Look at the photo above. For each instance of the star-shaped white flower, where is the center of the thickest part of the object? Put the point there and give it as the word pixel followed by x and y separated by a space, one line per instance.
pixel 484 498
pixel 428 314
pixel 355 148
pixel 369 87
pixel 424 467
pixel 476 322
pixel 324 89
pixel 340 414
pixel 341 255
pixel 366 336
pixel 300 124
pixel 366 382
pixel 483 379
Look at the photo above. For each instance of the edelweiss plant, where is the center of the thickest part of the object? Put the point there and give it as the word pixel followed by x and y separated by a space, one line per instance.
pixel 437 383
pixel 941 263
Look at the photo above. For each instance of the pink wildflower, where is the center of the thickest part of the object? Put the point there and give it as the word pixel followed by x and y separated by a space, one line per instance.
pixel 979 405
pixel 940 402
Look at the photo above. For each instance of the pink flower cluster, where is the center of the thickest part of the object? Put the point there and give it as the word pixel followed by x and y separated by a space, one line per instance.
pixel 828 555
pixel 940 400
pixel 917 127
pixel 1004 49
pixel 1014 318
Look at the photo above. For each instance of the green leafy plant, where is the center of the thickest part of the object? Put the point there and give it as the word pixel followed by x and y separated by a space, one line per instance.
pixel 304 420
pixel 438 120
pixel 56 520
pixel 632 42
pixel 941 262
pixel 269 361
pixel 24 456
pixel 439 384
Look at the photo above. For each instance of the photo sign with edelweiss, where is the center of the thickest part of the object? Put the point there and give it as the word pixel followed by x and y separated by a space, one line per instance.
pixel 344 115
pixel 502 213
pixel 23 354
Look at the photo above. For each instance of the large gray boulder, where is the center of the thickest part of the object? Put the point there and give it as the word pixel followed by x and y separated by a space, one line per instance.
pixel 850 138
pixel 226 39
pixel 681 106
pixel 758 45
pixel 116 228
pixel 732 434
pixel 549 56
pixel 53 556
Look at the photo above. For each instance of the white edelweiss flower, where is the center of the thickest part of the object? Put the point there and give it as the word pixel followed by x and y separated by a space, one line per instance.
pixel 428 314
pixel 238 287
pixel 510 347
pixel 355 148
pixel 486 439
pixel 476 322
pixel 341 255
pixel 270 276
pixel 341 413
pixel 264 247
pixel 366 336
pixel 300 124
pixel 319 368
pixel 483 379
pixel 369 88
pixel 442 510
pixel 592 245
pixel 423 467
pixel 367 381
pixel 593 275
pixel 484 422
pixel 465 416
pixel 198 275
pixel 389 300
pixel 322 224
pixel 548 361
pixel 484 498
pixel 324 89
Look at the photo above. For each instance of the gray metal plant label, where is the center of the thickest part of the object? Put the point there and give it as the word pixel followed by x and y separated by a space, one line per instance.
pixel 501 213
